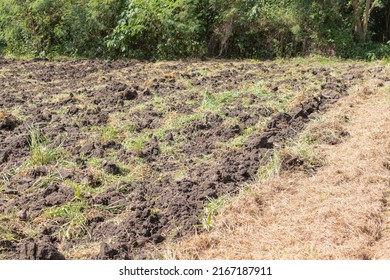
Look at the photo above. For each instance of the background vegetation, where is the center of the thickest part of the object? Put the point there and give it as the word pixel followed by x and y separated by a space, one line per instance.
pixel 168 29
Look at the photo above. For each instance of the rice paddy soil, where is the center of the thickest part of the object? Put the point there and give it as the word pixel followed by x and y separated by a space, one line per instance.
pixel 108 160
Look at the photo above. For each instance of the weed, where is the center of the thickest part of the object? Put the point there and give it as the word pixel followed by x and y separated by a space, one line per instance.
pixel 6 234
pixel 135 170
pixel 179 122
pixel 75 228
pixel 17 113
pixel 239 140
pixel 78 190
pixel 31 233
pixel 179 174
pixel 43 182
pixel 94 162
pixel 272 168
pixel 303 148
pixel 191 103
pixel 9 227
pixel 154 211
pixel 209 102
pixel 213 102
pixel 136 144
pixel 113 208
pixel 186 83
pixel 68 210
pixel 263 95
pixel 308 138
pixel 40 151
pixel 159 104
pixel 108 134
pixel 76 224
pixel 280 102
pixel 212 209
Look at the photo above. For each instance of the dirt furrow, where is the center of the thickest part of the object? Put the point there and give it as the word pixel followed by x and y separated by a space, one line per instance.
pixel 341 212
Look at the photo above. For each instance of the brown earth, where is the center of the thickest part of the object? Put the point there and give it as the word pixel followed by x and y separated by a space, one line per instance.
pixel 342 212
pixel 127 154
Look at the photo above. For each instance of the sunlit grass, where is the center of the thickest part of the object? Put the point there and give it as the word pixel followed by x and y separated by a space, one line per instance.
pixel 41 153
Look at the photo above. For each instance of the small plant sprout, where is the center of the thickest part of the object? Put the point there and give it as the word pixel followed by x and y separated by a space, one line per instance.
pixel 212 209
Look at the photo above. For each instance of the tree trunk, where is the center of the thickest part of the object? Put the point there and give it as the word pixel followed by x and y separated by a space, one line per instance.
pixel 362 17
pixel 357 19
pixel 366 18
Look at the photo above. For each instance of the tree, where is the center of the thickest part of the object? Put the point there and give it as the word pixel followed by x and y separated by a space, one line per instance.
pixel 362 11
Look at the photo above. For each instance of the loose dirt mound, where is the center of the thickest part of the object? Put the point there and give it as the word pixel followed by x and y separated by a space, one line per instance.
pixel 339 213
pixel 107 159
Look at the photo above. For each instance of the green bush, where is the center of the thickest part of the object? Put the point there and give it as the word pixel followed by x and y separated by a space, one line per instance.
pixel 45 27
pixel 170 29
pixel 158 29
pixel 85 26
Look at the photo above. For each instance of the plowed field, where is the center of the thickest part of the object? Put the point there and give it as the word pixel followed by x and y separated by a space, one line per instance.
pixel 107 160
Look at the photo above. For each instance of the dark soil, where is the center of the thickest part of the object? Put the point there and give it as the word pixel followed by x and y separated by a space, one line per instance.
pixel 143 146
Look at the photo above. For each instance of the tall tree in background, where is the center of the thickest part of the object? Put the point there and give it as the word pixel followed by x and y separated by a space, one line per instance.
pixel 362 11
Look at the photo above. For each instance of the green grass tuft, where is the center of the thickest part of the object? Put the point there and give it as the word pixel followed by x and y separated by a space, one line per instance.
pixel 40 151
pixel 76 225
pixel 108 134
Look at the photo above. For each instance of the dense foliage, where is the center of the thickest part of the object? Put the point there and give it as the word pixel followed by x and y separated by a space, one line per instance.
pixel 156 29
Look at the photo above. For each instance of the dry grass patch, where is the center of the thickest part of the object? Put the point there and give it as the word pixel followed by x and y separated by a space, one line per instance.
pixel 336 214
